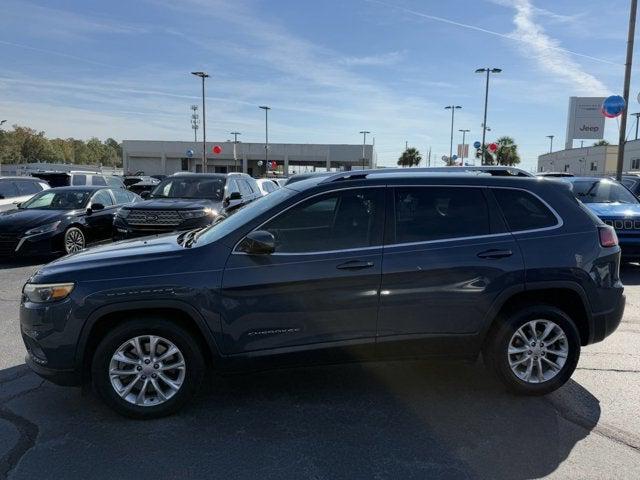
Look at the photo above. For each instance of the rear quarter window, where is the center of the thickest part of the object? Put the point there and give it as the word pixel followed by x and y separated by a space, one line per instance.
pixel 524 211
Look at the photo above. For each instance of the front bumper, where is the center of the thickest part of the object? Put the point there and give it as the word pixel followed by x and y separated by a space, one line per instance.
pixel 65 378
pixel 35 245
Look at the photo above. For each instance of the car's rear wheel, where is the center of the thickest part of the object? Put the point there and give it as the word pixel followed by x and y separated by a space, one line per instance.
pixel 534 350
pixel 147 368
pixel 74 240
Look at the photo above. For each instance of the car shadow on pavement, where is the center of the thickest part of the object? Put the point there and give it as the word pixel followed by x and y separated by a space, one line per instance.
pixel 379 420
pixel 630 273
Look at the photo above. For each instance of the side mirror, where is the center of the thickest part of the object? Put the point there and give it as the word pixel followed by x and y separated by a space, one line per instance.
pixel 234 196
pixel 258 242
pixel 94 208
pixel 145 194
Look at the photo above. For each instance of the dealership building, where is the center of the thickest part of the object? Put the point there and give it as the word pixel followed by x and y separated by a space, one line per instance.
pixel 158 157
pixel 597 161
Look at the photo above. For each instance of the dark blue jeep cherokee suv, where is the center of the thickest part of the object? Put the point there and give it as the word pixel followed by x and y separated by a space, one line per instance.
pixel 345 267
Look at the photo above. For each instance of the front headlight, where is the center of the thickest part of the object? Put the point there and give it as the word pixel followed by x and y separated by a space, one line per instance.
pixel 205 212
pixel 49 292
pixel 49 227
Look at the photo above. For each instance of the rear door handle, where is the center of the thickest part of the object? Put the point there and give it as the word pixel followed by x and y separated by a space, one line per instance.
pixel 495 254
pixel 355 265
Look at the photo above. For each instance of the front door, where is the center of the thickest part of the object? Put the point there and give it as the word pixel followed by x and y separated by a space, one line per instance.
pixel 321 284
pixel 101 221
pixel 447 259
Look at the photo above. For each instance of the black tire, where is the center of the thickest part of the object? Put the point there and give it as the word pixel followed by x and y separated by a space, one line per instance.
pixel 181 338
pixel 499 337
pixel 73 240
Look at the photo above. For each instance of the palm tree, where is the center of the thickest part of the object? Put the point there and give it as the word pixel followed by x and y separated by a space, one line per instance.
pixel 488 156
pixel 600 143
pixel 507 152
pixel 410 157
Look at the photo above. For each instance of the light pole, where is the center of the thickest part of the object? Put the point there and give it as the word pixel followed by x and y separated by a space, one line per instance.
pixel 235 154
pixel 550 137
pixel 453 109
pixel 464 133
pixel 487 70
pixel 203 75
pixel 364 142
pixel 266 137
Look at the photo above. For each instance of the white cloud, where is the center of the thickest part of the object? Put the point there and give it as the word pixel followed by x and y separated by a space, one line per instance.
pixel 380 60
pixel 547 52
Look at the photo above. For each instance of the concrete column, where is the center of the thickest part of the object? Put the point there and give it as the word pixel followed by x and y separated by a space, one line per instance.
pixel 245 164
pixel 328 163
pixel 163 164
pixel 285 169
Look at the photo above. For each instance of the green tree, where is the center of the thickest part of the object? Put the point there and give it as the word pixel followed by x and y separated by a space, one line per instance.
pixel 410 157
pixel 488 156
pixel 600 143
pixel 507 152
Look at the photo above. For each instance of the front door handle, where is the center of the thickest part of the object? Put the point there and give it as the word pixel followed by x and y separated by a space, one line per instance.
pixel 495 254
pixel 355 265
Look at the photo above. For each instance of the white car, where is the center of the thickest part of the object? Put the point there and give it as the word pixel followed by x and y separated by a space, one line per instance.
pixel 267 185
pixel 15 190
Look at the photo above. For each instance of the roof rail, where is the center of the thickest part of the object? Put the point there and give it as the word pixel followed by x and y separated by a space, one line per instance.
pixel 341 176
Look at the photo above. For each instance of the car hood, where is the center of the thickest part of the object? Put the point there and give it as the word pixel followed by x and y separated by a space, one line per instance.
pixel 146 256
pixel 21 220
pixel 615 210
pixel 175 204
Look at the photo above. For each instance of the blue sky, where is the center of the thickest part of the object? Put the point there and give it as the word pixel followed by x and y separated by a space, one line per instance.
pixel 328 68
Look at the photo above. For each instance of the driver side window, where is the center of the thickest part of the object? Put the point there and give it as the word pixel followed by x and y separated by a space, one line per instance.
pixel 334 221
pixel 103 197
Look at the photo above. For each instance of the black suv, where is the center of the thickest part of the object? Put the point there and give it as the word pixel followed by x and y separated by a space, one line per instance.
pixel 365 265
pixel 185 201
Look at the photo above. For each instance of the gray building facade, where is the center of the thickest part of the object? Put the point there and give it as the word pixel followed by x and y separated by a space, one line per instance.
pixel 167 157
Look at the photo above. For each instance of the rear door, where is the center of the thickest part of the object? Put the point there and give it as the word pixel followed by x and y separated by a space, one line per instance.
pixel 320 287
pixel 446 259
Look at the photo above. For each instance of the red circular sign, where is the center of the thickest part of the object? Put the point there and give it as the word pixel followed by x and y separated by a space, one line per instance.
pixel 493 147
pixel 217 149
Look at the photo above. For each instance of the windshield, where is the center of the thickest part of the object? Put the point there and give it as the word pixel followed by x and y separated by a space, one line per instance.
pixel 190 187
pixel 243 215
pixel 65 200
pixel 601 191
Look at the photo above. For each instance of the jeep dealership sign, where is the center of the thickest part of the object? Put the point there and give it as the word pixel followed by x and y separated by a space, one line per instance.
pixel 585 120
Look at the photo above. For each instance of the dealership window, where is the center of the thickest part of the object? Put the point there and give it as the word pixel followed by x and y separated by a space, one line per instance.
pixel 635 164
pixel 523 211
pixel 594 166
pixel 435 213
pixel 334 221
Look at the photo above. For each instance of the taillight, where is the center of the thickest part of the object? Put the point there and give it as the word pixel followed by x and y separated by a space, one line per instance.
pixel 608 237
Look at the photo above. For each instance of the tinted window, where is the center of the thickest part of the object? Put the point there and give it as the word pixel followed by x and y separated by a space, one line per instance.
pixel 245 188
pixel 232 186
pixel 191 187
pixel 98 180
pixel 103 197
pixel 28 187
pixel 8 189
pixel 58 200
pixel 601 191
pixel 434 213
pixel 335 221
pixel 523 211
pixel 79 180
pixel 122 196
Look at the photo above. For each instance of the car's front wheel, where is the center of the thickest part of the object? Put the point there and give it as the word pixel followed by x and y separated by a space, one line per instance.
pixel 74 240
pixel 147 368
pixel 534 350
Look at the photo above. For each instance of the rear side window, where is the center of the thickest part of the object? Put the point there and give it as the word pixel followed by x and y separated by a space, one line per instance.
pixel 8 189
pixel 523 211
pixel 98 180
pixel 79 180
pixel 28 187
pixel 435 213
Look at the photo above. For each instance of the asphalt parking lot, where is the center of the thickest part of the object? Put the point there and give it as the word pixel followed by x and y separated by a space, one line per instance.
pixel 374 421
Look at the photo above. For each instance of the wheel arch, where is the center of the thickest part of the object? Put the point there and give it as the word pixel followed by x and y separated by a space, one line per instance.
pixel 106 317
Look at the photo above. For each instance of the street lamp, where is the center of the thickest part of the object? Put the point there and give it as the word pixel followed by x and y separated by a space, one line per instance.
pixel 203 75
pixel 364 142
pixel 266 137
pixel 550 137
pixel 453 109
pixel 464 133
pixel 488 71
pixel 235 156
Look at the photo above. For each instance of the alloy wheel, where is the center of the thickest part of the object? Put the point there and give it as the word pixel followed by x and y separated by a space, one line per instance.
pixel 147 370
pixel 73 240
pixel 537 351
